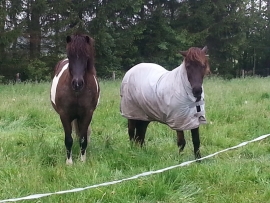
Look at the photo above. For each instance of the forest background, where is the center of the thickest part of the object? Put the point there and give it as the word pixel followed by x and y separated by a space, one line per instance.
pixel 127 32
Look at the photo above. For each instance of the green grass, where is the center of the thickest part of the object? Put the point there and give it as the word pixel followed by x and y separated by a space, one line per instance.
pixel 32 149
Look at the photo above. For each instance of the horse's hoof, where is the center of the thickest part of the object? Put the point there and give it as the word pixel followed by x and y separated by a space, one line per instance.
pixel 83 158
pixel 197 157
pixel 69 161
pixel 181 150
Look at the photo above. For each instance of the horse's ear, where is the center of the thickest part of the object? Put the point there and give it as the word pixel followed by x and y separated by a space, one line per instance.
pixel 205 49
pixel 183 53
pixel 68 39
pixel 89 40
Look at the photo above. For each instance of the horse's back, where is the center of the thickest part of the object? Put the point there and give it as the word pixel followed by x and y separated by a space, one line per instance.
pixel 144 70
pixel 138 86
pixel 143 74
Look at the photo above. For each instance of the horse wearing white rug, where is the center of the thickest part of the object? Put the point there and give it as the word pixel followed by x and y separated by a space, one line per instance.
pixel 176 98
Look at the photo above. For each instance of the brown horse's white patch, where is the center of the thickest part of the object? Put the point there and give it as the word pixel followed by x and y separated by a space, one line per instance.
pixel 55 83
pixel 97 89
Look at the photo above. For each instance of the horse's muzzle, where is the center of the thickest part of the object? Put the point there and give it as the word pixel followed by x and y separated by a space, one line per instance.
pixel 197 93
pixel 77 84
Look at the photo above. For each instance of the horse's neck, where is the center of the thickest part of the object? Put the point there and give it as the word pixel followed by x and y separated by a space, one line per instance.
pixel 183 74
pixel 177 78
pixel 179 72
pixel 92 70
pixel 91 67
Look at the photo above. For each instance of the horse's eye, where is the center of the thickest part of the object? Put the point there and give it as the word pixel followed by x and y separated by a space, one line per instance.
pixel 204 66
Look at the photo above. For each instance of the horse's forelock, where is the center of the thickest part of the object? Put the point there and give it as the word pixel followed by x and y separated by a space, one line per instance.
pixel 195 54
pixel 79 46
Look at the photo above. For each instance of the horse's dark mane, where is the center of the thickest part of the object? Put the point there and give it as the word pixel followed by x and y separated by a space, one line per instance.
pixel 80 47
pixel 195 54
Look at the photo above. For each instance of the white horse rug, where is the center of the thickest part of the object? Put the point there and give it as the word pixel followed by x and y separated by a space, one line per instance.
pixel 151 93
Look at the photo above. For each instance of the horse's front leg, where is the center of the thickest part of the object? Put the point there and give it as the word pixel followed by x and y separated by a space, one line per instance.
pixel 196 142
pixel 68 138
pixel 84 129
pixel 181 142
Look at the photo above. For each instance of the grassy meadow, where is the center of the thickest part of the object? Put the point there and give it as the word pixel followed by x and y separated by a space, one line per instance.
pixel 32 151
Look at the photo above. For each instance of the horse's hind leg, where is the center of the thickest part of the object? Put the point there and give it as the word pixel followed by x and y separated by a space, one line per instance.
pixel 181 142
pixel 84 130
pixel 137 130
pixel 196 142
pixel 141 127
pixel 68 138
pixel 131 129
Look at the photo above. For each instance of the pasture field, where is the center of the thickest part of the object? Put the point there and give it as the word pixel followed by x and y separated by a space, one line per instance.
pixel 32 151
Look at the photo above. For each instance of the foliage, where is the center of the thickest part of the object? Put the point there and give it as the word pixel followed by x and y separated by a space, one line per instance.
pixel 37 71
pixel 2 79
pixel 128 32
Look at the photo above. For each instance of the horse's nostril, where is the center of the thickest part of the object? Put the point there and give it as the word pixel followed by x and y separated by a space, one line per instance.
pixel 80 83
pixel 77 84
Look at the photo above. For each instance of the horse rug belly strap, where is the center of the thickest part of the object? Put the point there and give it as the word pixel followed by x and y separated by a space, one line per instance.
pixel 151 93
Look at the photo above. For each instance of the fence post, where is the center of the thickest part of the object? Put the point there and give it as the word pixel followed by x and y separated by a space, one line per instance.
pixel 113 75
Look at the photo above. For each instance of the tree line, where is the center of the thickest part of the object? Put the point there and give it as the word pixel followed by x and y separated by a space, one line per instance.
pixel 126 32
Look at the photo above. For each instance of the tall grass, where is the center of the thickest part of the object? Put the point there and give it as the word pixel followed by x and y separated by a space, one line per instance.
pixel 32 149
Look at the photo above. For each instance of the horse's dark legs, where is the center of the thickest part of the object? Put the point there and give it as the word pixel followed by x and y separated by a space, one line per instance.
pixel 84 135
pixel 181 142
pixel 131 129
pixel 196 142
pixel 137 130
pixel 141 127
pixel 68 138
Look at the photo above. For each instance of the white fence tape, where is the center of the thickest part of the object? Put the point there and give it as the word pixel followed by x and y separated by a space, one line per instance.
pixel 36 196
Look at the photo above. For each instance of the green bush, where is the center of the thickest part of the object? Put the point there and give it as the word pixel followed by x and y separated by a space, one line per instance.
pixel 2 79
pixel 37 70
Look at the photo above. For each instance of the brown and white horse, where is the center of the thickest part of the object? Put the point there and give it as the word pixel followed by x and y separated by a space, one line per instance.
pixel 75 91
pixel 151 93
